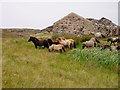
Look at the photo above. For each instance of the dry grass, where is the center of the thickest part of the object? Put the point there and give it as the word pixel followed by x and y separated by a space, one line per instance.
pixel 25 66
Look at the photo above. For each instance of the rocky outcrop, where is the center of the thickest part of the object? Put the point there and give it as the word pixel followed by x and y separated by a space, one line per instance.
pixel 77 25
pixel 105 26
pixel 48 29
pixel 73 24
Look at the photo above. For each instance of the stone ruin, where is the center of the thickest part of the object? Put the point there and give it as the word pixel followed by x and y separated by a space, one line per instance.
pixel 77 25
pixel 105 26
pixel 73 24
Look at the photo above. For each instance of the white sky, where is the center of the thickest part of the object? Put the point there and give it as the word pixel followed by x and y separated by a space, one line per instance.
pixel 41 14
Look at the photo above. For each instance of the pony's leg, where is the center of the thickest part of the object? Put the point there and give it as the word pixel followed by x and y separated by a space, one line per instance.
pixel 63 49
pixel 94 44
pixel 111 43
pixel 71 46
pixel 36 46
pixel 60 50
pixel 74 45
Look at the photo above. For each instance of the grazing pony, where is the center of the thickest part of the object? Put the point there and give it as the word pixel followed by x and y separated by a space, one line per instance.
pixel 113 40
pixel 95 40
pixel 50 41
pixel 55 47
pixel 98 34
pixel 91 43
pixel 39 42
pixel 111 48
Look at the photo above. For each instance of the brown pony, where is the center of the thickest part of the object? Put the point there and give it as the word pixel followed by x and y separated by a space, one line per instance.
pixel 67 42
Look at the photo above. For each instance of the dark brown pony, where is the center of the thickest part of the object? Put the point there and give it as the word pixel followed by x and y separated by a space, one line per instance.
pixel 39 42
pixel 50 41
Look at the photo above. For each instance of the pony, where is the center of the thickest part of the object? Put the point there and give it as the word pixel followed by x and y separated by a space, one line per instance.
pixel 67 42
pixel 38 42
pixel 50 41
pixel 112 40
pixel 57 47
pixel 91 43
pixel 98 34
pixel 63 42
pixel 73 44
pixel 95 40
pixel 111 48
pixel 88 44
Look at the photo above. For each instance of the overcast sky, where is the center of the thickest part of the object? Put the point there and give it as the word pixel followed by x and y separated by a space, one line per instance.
pixel 43 14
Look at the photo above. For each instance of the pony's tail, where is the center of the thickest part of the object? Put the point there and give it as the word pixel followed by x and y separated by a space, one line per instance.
pixel 74 45
pixel 103 36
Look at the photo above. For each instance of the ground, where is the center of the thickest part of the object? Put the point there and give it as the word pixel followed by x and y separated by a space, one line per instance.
pixel 27 67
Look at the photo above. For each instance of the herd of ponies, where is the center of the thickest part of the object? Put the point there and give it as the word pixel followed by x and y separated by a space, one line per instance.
pixel 61 43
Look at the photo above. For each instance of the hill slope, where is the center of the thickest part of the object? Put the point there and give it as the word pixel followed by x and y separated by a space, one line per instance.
pixel 79 26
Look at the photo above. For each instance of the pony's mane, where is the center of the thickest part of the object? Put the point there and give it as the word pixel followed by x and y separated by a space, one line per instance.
pixel 35 38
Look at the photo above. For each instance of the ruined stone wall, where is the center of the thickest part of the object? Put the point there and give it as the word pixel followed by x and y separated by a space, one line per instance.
pixel 77 25
pixel 105 26
pixel 73 24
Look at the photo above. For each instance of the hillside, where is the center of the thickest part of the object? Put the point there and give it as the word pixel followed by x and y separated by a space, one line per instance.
pixel 73 24
pixel 106 26
pixel 79 26
pixel 18 32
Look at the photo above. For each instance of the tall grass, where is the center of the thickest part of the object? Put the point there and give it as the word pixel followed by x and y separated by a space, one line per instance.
pixel 105 58
pixel 27 67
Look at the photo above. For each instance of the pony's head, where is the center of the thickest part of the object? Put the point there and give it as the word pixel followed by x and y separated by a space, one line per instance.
pixel 50 48
pixel 58 39
pixel 97 40
pixel 83 45
pixel 109 39
pixel 50 41
pixel 118 47
pixel 32 39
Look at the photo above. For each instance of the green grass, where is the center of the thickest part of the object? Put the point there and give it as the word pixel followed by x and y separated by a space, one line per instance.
pixel 104 58
pixel 27 67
